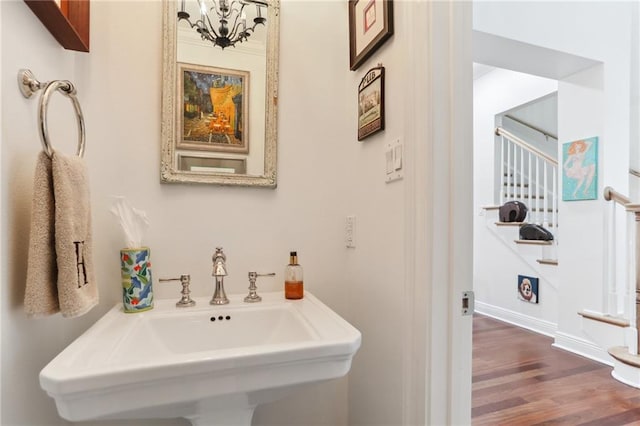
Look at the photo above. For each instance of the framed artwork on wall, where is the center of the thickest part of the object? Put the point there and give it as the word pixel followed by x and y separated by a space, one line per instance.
pixel 371 103
pixel 580 170
pixel 212 109
pixel 370 25
pixel 528 290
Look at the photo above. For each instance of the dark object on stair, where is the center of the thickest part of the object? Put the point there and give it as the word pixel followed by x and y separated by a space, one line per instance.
pixel 513 211
pixel 531 231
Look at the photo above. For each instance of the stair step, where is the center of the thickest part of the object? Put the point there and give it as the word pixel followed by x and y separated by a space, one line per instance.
pixel 534 242
pixel 553 262
pixel 491 207
pixel 621 353
pixel 609 319
pixel 510 223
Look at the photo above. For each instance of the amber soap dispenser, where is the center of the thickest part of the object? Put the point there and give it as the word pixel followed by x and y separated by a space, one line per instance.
pixel 293 287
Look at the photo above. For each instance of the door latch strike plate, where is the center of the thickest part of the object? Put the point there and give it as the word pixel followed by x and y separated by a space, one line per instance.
pixel 468 303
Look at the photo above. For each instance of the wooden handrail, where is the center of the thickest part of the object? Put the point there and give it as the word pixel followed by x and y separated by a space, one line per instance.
pixel 513 138
pixel 532 127
pixel 611 194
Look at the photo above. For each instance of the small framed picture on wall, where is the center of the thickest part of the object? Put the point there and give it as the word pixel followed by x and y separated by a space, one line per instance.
pixel 370 25
pixel 580 170
pixel 371 103
pixel 528 290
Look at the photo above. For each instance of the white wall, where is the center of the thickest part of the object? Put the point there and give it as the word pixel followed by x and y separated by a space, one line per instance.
pixel 593 102
pixel 496 267
pixel 119 86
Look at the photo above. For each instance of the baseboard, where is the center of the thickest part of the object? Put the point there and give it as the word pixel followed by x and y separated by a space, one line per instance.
pixel 582 347
pixel 563 341
pixel 516 318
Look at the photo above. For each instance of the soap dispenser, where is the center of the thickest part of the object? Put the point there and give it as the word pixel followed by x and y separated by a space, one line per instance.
pixel 293 287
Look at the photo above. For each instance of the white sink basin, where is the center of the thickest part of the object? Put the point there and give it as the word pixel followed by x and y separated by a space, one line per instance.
pixel 210 364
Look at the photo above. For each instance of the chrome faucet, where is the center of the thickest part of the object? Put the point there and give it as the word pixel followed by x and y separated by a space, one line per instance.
pixel 219 272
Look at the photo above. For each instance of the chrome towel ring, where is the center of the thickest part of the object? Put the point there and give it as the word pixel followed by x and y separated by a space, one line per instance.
pixel 28 85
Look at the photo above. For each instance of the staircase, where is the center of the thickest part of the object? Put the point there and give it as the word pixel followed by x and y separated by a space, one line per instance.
pixel 615 326
pixel 530 176
pixel 525 174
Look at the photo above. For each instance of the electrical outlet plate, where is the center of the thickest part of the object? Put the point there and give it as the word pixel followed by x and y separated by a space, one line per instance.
pixel 350 231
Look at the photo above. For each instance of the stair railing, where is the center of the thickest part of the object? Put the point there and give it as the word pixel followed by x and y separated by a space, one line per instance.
pixel 619 298
pixel 530 176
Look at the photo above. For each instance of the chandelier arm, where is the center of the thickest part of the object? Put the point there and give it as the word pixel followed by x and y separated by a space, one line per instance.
pixel 211 29
pixel 234 30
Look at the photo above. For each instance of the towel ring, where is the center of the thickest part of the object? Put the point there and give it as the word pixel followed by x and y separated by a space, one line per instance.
pixel 28 85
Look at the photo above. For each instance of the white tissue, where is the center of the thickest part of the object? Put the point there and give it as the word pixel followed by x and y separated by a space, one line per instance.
pixel 134 222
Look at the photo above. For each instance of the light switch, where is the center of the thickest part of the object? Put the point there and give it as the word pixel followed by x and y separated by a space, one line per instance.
pixel 393 157
pixel 397 156
pixel 389 159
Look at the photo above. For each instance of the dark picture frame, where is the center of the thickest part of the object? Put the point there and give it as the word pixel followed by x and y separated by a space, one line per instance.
pixel 528 289
pixel 370 25
pixel 371 103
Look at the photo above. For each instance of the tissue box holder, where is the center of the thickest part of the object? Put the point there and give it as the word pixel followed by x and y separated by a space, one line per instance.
pixel 137 286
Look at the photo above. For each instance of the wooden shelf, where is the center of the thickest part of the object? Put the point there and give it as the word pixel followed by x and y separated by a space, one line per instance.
pixel 68 23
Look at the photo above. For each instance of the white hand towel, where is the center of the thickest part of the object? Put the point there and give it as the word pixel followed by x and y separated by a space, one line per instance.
pixel 75 290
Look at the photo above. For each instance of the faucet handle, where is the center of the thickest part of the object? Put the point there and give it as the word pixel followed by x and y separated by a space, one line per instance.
pixel 186 300
pixel 219 267
pixel 253 294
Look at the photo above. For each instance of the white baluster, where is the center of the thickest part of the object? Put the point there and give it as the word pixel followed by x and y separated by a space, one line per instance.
pixel 538 204
pixel 521 175
pixel 609 252
pixel 529 182
pixel 632 276
pixel 545 199
pixel 502 170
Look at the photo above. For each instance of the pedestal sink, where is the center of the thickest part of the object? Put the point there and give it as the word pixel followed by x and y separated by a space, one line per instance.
pixel 210 364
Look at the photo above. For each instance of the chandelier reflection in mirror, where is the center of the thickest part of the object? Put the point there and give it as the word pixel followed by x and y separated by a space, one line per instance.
pixel 220 13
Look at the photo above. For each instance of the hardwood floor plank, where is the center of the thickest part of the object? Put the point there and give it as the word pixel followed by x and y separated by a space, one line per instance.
pixel 520 379
pixel 507 371
pixel 497 406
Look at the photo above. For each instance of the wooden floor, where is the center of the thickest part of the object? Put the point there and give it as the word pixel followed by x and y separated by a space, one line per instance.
pixel 520 379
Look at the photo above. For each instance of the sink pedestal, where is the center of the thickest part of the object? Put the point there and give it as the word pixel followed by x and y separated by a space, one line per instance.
pixel 229 410
pixel 229 417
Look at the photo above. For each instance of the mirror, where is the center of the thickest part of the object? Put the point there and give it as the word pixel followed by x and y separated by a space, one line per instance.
pixel 219 106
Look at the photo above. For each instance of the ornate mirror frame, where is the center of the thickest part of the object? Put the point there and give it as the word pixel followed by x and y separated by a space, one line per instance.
pixel 169 171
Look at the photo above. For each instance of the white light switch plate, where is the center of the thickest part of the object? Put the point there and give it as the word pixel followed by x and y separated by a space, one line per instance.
pixel 393 154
